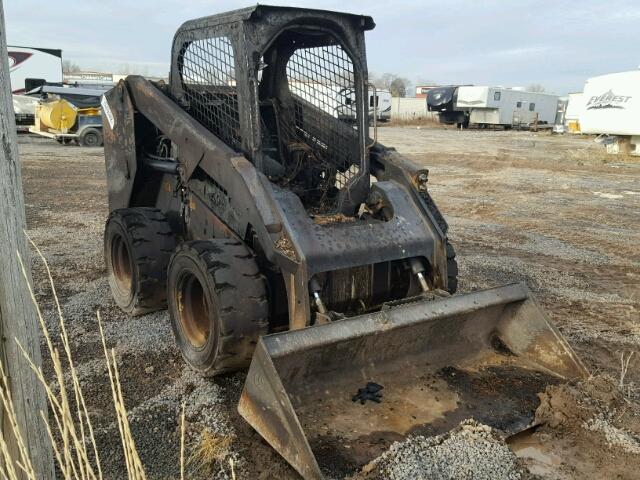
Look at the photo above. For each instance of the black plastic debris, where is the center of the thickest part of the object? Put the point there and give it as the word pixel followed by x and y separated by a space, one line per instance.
pixel 371 391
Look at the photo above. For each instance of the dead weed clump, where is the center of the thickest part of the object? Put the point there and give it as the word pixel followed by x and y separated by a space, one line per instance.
pixel 212 450
pixel 418 121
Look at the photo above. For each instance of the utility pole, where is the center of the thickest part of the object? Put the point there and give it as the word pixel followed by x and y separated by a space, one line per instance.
pixel 18 317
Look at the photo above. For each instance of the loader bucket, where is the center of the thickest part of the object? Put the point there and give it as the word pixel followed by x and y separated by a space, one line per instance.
pixel 484 355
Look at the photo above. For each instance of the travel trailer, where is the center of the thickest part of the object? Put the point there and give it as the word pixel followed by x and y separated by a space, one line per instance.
pixel 31 67
pixel 442 100
pixel 612 107
pixel 383 100
pixel 506 106
pixel 575 108
pixel 346 102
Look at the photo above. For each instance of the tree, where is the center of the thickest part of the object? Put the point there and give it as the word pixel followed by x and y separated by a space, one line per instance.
pixel 69 67
pixel 18 320
pixel 398 86
pixel 383 81
pixel 536 87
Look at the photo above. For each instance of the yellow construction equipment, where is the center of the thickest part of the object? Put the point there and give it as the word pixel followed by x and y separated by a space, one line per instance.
pixel 57 114
pixel 59 119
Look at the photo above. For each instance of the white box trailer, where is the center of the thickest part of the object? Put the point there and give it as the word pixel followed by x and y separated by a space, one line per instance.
pixel 506 106
pixel 612 107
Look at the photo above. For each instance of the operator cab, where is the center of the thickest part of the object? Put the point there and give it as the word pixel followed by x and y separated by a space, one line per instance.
pixel 306 79
pixel 292 98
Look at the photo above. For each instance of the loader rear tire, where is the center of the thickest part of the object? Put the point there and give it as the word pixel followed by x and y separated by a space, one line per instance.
pixel 138 243
pixel 218 304
pixel 452 269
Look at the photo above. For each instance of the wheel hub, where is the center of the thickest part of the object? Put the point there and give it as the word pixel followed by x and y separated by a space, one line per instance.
pixel 193 310
pixel 121 264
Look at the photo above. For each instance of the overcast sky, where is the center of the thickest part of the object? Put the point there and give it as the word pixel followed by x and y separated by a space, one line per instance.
pixel 555 43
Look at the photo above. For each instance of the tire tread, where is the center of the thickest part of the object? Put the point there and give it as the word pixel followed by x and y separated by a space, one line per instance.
pixel 153 243
pixel 241 293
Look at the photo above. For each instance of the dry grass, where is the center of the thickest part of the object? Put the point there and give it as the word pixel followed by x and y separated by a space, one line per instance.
pixel 627 388
pixel 69 428
pixel 212 450
pixel 429 121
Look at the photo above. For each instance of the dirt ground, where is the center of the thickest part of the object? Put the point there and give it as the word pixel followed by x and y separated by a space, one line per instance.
pixel 554 211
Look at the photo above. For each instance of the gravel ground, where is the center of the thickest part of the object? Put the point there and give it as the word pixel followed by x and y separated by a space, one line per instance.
pixel 615 437
pixel 552 211
pixel 470 452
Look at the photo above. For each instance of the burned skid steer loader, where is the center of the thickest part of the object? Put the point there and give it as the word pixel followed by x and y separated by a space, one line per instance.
pixel 281 236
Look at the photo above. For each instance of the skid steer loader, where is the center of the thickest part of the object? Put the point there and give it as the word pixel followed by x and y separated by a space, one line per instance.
pixel 283 238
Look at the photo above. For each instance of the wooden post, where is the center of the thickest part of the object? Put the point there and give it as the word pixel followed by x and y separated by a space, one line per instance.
pixel 18 318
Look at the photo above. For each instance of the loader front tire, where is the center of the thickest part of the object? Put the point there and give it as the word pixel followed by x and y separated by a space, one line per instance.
pixel 452 269
pixel 138 243
pixel 218 304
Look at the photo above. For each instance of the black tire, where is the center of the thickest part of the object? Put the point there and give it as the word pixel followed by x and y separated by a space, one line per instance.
pixel 91 137
pixel 138 243
pixel 218 304
pixel 452 269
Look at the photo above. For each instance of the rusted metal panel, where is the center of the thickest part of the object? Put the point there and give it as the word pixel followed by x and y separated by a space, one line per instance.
pixel 266 406
pixel 119 146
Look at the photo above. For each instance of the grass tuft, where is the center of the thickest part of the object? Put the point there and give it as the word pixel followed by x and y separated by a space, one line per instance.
pixel 212 450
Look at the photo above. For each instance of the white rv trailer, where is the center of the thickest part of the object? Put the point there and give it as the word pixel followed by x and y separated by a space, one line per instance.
pixel 383 101
pixel 612 107
pixel 339 101
pixel 30 67
pixel 346 101
pixel 506 106
pixel 575 107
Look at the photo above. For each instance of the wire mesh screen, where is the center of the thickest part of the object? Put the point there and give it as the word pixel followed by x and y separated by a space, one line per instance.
pixel 322 82
pixel 209 83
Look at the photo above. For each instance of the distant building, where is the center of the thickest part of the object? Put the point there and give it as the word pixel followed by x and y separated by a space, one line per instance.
pixel 87 77
pixel 96 79
pixel 422 90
